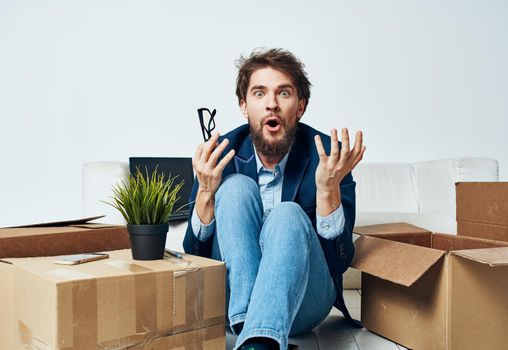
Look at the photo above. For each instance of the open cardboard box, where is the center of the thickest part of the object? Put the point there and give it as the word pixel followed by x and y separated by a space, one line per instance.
pixel 106 304
pixel 428 290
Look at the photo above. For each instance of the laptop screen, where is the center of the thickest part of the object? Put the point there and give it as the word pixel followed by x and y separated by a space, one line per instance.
pixel 170 167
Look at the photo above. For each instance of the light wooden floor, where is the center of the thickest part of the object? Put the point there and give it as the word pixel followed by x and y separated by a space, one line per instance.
pixel 335 333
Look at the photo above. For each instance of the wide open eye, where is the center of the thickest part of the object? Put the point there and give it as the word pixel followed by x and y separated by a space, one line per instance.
pixel 258 93
pixel 284 93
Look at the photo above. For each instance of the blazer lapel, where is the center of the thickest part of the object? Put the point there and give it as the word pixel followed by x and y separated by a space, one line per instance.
pixel 295 169
pixel 245 161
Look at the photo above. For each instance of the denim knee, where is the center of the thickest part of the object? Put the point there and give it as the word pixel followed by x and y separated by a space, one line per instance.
pixel 288 211
pixel 291 215
pixel 237 184
pixel 238 203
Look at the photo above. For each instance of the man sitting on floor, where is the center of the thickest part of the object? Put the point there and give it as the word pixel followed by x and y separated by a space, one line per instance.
pixel 281 214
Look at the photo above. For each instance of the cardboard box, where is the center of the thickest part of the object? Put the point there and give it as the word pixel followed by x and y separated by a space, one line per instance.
pixel 482 209
pixel 60 238
pixel 114 303
pixel 440 291
pixel 211 338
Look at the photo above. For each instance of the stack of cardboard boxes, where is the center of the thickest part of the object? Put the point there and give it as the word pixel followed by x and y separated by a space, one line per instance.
pixel 116 303
pixel 428 290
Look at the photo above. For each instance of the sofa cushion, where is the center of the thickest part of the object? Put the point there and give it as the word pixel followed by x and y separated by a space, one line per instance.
pixel 385 187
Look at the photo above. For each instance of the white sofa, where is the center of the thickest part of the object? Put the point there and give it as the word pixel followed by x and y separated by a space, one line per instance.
pixel 421 193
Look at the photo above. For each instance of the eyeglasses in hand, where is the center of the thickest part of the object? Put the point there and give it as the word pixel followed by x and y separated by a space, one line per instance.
pixel 207 122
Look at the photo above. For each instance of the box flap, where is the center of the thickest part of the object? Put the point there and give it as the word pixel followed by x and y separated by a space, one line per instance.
pixel 491 256
pixel 447 242
pixel 397 231
pixel 61 223
pixel 483 202
pixel 393 261
pixel 391 228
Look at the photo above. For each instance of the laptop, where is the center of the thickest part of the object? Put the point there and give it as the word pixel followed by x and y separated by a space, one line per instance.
pixel 170 167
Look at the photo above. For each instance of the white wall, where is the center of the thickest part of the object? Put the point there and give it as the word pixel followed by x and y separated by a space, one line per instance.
pixel 84 81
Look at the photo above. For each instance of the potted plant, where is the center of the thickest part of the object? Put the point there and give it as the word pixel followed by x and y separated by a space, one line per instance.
pixel 146 203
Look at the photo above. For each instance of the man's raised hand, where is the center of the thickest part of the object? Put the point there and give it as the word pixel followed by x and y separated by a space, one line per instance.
pixel 334 167
pixel 209 174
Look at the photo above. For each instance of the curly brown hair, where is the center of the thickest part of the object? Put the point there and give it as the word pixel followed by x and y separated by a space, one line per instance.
pixel 279 59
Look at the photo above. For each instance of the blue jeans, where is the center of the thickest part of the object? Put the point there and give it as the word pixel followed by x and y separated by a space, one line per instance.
pixel 278 283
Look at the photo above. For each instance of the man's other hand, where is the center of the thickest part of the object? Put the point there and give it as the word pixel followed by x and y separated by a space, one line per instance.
pixel 333 168
pixel 209 174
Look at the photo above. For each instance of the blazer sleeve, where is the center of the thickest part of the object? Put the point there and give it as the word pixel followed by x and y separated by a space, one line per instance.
pixel 191 244
pixel 339 251
pixel 344 242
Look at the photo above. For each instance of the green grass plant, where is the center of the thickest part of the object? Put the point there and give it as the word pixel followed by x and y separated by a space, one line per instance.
pixel 146 200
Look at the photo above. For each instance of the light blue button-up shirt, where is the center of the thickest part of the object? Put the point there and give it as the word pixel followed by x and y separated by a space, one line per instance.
pixel 270 189
pixel 270 184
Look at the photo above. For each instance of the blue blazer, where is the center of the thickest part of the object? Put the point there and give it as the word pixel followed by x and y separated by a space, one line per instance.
pixel 299 186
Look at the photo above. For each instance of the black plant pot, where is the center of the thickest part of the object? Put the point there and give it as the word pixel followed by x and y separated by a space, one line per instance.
pixel 148 241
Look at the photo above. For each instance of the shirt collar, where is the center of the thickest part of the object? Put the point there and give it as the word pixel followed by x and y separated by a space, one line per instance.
pixel 281 165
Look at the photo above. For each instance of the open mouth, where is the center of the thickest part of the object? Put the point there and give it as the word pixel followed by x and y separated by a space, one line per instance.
pixel 273 124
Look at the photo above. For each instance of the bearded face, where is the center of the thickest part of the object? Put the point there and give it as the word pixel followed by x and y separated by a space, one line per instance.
pixel 273 109
pixel 273 147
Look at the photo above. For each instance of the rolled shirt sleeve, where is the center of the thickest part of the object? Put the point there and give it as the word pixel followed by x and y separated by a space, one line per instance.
pixel 201 231
pixel 331 226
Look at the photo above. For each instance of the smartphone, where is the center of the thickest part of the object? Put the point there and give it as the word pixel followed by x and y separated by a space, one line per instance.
pixel 79 258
